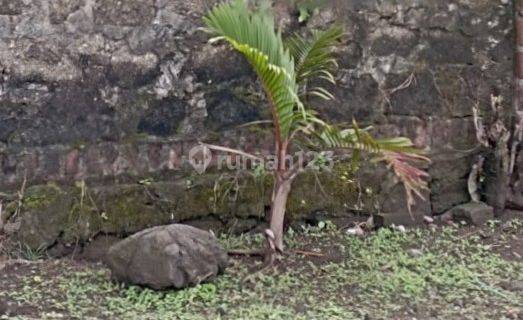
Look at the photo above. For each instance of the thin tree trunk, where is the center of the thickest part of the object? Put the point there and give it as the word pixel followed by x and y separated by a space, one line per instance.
pixel 497 177
pixel 500 162
pixel 515 199
pixel 282 188
pixel 518 65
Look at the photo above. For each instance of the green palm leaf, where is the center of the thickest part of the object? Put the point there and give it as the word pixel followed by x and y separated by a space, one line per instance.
pixel 252 32
pixel 314 59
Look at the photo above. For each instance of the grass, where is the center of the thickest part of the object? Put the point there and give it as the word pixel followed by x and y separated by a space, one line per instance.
pixel 449 273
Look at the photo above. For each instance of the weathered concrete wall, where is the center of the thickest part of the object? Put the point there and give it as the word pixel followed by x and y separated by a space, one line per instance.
pixel 114 91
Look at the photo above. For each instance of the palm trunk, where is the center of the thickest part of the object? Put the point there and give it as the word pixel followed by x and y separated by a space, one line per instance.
pixel 282 188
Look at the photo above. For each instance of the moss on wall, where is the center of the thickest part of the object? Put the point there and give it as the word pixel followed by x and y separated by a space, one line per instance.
pixel 77 214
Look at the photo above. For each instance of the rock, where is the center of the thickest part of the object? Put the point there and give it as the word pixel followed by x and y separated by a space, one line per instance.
pixel 11 228
pixel 8 7
pixel 239 226
pixel 3 264
pixel 226 110
pixel 59 10
pixel 6 309
pixel 445 218
pixel 428 219
pixel 356 231
pixel 513 214
pixel 448 193
pixel 97 249
pixel 123 13
pixel 164 118
pixel 475 213
pixel 399 228
pixel 3 308
pixel 46 212
pixel 210 224
pixel 61 250
pixel 415 253
pixel 513 285
pixel 167 256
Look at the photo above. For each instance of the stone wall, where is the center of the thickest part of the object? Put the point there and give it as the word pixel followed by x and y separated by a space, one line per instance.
pixel 116 91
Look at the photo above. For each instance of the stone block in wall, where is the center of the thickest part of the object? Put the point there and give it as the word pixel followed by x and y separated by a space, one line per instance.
pixel 93 163
pixel 226 109
pixel 451 165
pixel 218 64
pixel 394 41
pixel 447 48
pixel 163 118
pixel 452 136
pixel 382 194
pixel 124 12
pixel 420 98
pixel 45 214
pixel 393 202
pixel 438 91
pixel 415 128
pixel 59 10
pixel 8 7
pixel 357 98
pixel 448 193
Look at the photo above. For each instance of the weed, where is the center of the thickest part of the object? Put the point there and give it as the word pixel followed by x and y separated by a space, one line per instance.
pixel 27 253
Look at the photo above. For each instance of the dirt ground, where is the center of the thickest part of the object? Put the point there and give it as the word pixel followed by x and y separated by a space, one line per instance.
pixel 451 272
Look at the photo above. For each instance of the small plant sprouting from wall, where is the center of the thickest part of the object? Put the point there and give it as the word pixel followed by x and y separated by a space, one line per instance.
pixel 306 8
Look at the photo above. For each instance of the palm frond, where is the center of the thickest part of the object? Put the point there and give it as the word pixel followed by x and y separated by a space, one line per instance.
pixel 252 32
pixel 313 57
pixel 399 154
pixel 413 178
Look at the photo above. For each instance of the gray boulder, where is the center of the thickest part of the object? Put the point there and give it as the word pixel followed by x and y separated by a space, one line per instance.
pixel 167 256
pixel 474 213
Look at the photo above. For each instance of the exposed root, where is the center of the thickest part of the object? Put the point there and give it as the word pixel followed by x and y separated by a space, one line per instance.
pixel 268 264
pixel 309 253
pixel 269 253
pixel 248 253
pixel 474 179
